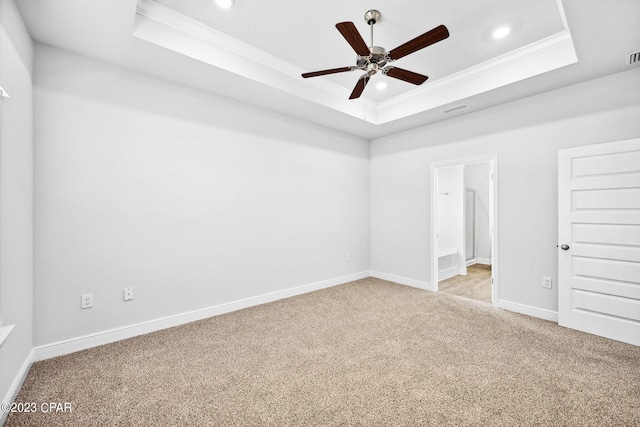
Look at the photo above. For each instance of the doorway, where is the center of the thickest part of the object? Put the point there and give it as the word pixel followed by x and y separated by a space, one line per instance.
pixel 464 251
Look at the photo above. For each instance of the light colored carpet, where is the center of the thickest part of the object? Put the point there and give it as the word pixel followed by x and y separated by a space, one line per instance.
pixel 368 353
pixel 476 284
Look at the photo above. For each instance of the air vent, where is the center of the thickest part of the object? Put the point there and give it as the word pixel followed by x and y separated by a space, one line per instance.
pixel 455 108
pixel 633 58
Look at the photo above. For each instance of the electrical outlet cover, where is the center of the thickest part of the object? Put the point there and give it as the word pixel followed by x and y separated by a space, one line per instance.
pixel 86 301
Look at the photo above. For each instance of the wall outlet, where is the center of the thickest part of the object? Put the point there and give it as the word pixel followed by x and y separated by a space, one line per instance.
pixel 87 301
pixel 128 294
pixel 547 282
pixel 348 257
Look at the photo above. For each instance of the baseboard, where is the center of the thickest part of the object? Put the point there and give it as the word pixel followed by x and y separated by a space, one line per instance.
pixel 16 385
pixel 60 348
pixel 447 273
pixel 402 280
pixel 462 271
pixel 485 261
pixel 529 310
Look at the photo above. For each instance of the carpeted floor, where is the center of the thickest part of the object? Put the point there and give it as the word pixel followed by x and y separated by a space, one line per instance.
pixel 368 353
pixel 476 284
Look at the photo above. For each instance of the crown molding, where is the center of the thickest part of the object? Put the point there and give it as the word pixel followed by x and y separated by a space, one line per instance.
pixel 536 58
pixel 165 27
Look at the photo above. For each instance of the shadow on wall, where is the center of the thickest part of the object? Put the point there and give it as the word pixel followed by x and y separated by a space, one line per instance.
pixel 59 70
pixel 590 97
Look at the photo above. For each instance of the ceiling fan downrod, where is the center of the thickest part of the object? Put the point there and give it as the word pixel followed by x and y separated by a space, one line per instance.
pixel 377 57
pixel 371 17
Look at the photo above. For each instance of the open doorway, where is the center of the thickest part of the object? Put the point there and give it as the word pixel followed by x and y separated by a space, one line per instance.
pixel 463 228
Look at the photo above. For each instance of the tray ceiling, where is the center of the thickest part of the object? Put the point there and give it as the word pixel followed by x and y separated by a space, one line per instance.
pixel 255 52
pixel 274 42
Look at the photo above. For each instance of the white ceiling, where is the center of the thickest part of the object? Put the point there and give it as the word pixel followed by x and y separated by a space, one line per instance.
pixel 290 30
pixel 256 51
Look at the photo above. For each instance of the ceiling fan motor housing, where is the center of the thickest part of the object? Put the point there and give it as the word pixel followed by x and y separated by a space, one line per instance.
pixel 378 57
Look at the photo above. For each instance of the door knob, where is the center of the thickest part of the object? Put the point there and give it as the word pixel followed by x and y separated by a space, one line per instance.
pixel 564 247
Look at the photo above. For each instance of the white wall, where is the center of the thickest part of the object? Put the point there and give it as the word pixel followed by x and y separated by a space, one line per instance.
pixel 191 199
pixel 16 197
pixel 526 136
pixel 477 176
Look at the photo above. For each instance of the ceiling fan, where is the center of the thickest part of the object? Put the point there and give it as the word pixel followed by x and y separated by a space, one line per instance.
pixel 375 58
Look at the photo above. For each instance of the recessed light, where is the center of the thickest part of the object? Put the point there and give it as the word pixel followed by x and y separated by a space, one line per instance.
pixel 381 85
pixel 225 4
pixel 501 32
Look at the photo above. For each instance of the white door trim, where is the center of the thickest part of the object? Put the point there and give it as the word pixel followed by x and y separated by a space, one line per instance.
pixel 493 217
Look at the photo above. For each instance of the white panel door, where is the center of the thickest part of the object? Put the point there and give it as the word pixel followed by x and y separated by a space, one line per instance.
pixel 599 237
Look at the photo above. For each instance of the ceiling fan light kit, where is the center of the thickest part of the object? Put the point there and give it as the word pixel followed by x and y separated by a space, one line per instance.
pixel 225 4
pixel 501 32
pixel 372 59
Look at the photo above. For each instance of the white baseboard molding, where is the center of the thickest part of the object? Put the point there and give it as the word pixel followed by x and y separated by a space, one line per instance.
pixel 483 261
pixel 60 348
pixel 447 273
pixel 402 280
pixel 529 310
pixel 16 385
pixel 462 271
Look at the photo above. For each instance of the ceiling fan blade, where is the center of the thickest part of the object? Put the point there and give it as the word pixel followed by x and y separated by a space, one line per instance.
pixel 330 71
pixel 405 75
pixel 430 37
pixel 357 91
pixel 353 37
